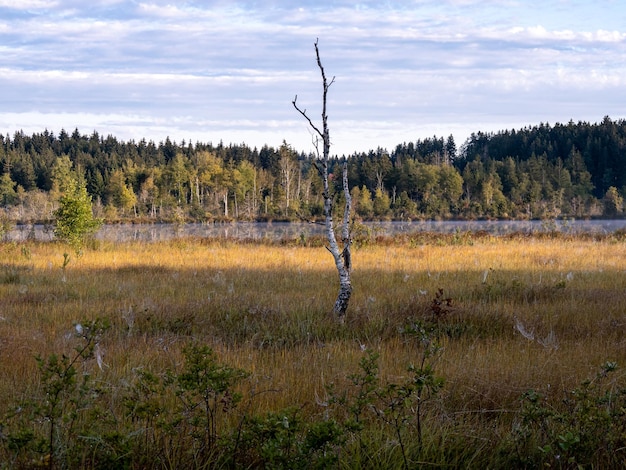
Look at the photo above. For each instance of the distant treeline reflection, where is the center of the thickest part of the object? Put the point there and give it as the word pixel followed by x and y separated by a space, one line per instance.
pixel 286 230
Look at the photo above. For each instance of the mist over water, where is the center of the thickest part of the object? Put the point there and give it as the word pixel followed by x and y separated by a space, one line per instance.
pixel 287 230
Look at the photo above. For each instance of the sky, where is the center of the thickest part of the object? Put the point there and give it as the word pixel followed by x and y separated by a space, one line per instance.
pixel 211 71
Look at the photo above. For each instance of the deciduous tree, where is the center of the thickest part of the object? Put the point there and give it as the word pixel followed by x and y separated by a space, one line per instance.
pixel 74 220
pixel 341 255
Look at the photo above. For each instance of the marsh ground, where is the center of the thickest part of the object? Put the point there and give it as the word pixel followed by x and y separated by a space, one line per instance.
pixel 509 314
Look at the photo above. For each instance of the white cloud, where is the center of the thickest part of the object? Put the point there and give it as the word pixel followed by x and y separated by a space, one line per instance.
pixel 28 4
pixel 402 68
pixel 609 36
pixel 568 35
pixel 166 11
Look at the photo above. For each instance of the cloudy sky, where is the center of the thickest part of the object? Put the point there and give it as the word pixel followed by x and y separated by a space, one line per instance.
pixel 229 70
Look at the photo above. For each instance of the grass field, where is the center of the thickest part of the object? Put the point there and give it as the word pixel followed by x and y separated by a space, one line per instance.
pixel 465 350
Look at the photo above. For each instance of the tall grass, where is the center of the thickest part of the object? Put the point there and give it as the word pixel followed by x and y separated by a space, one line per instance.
pixel 521 313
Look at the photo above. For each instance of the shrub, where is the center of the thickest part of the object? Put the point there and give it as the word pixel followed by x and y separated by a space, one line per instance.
pixel 589 430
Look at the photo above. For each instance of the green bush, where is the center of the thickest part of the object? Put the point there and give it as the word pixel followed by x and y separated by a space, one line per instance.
pixel 588 430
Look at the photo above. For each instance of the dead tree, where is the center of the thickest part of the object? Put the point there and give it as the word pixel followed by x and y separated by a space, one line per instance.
pixel 341 254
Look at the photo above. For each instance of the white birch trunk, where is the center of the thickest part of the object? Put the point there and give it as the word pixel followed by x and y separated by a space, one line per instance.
pixel 341 255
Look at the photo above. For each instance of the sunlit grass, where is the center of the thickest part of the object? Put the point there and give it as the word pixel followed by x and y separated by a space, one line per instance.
pixel 266 309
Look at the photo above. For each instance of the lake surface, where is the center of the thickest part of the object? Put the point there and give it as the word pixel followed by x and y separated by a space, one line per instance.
pixel 280 230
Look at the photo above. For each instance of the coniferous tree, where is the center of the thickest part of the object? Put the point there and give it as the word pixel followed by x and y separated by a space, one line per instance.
pixel 8 194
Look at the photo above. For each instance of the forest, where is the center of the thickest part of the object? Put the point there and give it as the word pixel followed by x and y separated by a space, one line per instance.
pixel 546 171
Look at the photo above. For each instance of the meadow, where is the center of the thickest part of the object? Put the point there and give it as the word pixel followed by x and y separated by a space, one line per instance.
pixel 463 350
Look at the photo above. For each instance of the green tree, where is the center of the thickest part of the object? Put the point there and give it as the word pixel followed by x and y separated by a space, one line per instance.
pixel 450 149
pixel 613 202
pixel 63 175
pixel 23 171
pixel 507 170
pixel 427 180
pixel 74 220
pixel 244 177
pixel 362 198
pixel 382 203
pixel 473 175
pixel 122 195
pixel 405 207
pixel 493 201
pixel 149 193
pixel 177 177
pixel 210 169
pixel 450 187
pixel 582 187
pixel 8 195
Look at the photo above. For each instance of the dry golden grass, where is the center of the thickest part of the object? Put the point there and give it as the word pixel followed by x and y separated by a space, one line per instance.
pixel 264 308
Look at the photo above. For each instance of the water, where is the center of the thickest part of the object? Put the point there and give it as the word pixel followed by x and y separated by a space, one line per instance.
pixel 281 230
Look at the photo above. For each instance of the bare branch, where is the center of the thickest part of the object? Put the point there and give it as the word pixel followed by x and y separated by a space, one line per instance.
pixel 315 140
pixel 303 112
pixel 319 170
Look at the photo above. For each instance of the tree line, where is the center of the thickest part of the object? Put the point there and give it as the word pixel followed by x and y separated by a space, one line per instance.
pixel 565 170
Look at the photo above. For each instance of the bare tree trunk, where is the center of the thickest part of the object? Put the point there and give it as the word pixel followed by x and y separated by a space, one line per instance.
pixel 254 201
pixel 342 256
pixel 344 261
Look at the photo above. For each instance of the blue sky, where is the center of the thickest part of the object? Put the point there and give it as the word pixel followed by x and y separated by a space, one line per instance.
pixel 225 70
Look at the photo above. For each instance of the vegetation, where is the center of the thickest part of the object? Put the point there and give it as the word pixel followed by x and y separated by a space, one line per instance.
pixel 74 220
pixel 570 170
pixel 462 350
